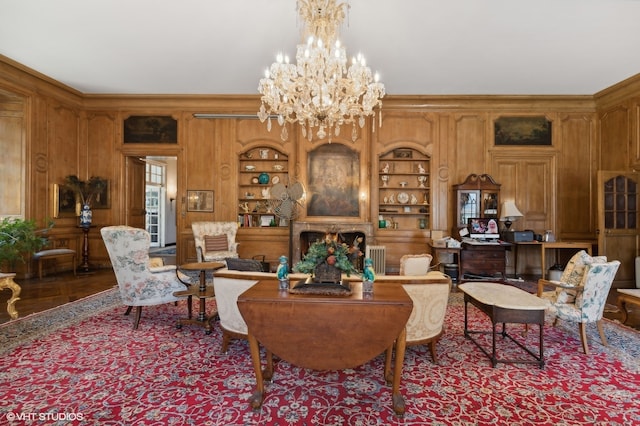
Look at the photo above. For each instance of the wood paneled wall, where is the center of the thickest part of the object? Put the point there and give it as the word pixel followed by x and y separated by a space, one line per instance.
pixel 70 133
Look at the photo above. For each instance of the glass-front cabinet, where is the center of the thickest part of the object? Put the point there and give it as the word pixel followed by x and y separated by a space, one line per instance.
pixel 477 197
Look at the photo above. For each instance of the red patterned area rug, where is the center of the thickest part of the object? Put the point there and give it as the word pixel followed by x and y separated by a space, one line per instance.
pixel 83 364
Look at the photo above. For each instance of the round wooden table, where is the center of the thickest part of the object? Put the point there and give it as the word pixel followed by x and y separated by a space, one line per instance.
pixel 201 291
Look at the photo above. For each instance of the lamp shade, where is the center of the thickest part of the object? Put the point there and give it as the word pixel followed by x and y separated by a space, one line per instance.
pixel 509 211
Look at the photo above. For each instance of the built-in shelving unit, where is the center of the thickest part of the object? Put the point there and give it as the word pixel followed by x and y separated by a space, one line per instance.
pixel 404 191
pixel 260 168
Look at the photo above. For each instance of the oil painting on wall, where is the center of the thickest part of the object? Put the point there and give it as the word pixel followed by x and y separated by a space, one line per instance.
pixel 522 131
pixel 150 129
pixel 334 181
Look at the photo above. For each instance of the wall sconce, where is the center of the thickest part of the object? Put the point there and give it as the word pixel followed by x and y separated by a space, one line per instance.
pixel 172 193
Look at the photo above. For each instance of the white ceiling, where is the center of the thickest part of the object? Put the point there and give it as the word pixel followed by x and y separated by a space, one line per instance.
pixel 428 47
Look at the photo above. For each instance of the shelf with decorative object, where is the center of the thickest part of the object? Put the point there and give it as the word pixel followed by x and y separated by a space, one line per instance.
pixel 404 190
pixel 259 169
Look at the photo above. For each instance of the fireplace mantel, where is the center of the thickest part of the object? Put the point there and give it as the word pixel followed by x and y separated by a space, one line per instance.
pixel 298 228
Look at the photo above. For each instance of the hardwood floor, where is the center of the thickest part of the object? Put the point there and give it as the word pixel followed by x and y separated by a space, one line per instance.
pixel 54 290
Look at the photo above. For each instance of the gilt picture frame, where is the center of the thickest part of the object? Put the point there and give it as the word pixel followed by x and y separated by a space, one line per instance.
pixel 65 202
pixel 334 181
pixel 200 201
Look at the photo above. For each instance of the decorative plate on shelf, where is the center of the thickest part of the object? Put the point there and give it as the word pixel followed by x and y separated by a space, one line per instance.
pixel 275 180
pixel 254 180
pixel 403 198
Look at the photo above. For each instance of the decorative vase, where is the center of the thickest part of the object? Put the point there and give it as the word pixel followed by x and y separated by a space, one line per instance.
pixel 325 273
pixel 263 179
pixel 85 216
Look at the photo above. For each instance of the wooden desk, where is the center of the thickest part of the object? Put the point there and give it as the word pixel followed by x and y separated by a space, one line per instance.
pixel 544 246
pixel 325 332
pixel 202 292
pixel 483 259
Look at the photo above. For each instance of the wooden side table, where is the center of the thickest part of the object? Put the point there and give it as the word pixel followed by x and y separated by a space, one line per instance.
pixel 6 281
pixel 201 291
pixel 627 296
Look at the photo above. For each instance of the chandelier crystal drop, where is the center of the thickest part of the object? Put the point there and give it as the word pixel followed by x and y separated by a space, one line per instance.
pixel 320 90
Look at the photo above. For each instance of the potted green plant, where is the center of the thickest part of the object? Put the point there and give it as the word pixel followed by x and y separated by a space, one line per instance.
pixel 18 238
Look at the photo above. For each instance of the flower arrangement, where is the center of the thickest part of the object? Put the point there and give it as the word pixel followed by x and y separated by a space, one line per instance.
pixel 86 190
pixel 330 252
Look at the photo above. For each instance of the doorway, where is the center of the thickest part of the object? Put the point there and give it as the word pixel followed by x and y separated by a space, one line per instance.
pixel 151 197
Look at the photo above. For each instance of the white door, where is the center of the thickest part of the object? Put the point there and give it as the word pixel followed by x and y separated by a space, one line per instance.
pixel 155 212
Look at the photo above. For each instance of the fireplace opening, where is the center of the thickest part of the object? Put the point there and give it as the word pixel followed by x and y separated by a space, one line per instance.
pixel 305 233
pixel 356 241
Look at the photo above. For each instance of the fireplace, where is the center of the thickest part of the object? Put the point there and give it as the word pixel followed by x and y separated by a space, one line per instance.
pixel 305 233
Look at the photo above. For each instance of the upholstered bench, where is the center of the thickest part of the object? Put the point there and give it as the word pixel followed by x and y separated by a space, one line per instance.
pixel 54 254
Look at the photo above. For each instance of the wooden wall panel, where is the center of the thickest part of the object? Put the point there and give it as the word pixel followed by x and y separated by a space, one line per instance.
pixel 13 162
pixel 614 138
pixel 66 133
pixel 576 203
pixel 468 146
pixel 634 148
pixel 102 131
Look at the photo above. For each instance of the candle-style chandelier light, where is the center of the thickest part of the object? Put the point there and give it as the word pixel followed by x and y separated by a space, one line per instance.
pixel 320 90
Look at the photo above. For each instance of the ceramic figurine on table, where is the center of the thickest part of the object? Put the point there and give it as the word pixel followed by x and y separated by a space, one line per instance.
pixel 368 276
pixel 283 273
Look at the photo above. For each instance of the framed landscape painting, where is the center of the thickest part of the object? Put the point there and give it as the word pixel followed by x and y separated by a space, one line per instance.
pixel 522 131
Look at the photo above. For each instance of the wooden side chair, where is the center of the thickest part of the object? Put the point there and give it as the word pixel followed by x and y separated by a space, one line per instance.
pixel 231 322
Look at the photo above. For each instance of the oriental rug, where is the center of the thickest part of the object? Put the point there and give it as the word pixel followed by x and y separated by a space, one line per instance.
pixel 83 364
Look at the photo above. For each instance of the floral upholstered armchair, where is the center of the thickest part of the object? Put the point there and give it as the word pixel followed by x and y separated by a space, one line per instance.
pixel 581 293
pixel 215 241
pixel 140 283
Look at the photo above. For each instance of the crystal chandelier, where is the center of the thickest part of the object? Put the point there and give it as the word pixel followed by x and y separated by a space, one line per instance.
pixel 321 90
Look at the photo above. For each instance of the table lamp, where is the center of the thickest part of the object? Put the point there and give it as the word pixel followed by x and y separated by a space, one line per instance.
pixel 508 213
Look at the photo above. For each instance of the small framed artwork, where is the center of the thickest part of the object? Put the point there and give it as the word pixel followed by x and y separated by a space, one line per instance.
pixel 65 203
pixel 102 199
pixel 266 220
pixel 200 201
pixel 402 153
pixel 522 131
